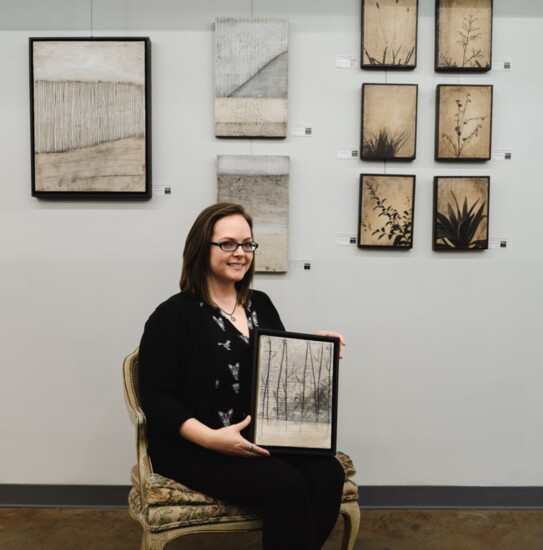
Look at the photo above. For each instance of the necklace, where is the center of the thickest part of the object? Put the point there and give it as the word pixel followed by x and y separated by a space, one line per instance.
pixel 231 315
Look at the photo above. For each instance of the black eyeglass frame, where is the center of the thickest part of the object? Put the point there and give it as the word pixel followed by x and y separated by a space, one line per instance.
pixel 253 246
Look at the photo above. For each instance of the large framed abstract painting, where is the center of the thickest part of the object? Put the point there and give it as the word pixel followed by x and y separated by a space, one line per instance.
pixel 260 183
pixel 90 105
pixel 461 213
pixel 251 77
pixel 389 34
pixel 295 389
pixel 389 122
pixel 386 211
pixel 463 122
pixel 463 36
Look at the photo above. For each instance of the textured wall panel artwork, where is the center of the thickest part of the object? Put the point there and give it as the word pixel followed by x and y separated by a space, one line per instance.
pixel 251 77
pixel 260 184
pixel 90 117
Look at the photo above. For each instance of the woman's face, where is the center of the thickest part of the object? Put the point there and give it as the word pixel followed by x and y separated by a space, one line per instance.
pixel 230 267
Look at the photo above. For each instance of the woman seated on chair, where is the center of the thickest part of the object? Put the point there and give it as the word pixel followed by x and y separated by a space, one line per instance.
pixel 195 381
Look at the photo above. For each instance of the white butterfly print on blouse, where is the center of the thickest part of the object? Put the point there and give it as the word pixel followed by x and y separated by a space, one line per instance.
pixel 217 383
pixel 226 417
pixel 235 387
pixel 252 320
pixel 219 321
pixel 234 369
pixel 225 345
pixel 244 338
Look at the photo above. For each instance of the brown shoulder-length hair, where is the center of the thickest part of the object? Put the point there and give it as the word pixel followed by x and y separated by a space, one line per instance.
pixel 196 265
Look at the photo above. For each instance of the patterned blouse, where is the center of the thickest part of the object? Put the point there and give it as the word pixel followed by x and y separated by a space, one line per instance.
pixel 232 399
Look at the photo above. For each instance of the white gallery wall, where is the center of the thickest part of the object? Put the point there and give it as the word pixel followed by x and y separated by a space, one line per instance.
pixel 442 378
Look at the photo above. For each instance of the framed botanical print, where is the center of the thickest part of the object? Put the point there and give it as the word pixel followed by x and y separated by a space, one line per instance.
pixel 90 106
pixel 463 36
pixel 389 122
pixel 461 213
pixel 386 211
pixel 463 122
pixel 389 34
pixel 295 388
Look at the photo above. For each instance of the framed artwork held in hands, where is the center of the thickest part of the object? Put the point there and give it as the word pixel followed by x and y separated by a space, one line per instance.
pixel 295 389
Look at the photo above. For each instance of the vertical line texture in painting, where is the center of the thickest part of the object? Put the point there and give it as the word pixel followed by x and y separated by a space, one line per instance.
pixel 260 184
pixel 294 399
pixel 251 77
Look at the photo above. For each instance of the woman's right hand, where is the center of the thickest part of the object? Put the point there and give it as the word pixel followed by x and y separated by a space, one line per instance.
pixel 227 440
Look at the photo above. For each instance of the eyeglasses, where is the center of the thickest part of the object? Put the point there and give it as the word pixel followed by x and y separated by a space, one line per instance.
pixel 232 246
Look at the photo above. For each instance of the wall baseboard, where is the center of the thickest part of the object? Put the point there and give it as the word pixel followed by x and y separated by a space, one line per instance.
pixel 371 497
pixel 450 497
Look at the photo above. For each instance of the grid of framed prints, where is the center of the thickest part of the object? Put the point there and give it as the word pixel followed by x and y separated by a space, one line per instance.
pixel 295 391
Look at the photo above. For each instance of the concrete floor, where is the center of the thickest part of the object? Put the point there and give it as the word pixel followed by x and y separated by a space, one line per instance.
pixel 74 529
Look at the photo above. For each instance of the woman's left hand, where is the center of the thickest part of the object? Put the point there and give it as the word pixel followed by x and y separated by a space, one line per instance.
pixel 334 335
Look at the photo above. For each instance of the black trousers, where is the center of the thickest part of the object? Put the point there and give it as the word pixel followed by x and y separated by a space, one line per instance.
pixel 298 495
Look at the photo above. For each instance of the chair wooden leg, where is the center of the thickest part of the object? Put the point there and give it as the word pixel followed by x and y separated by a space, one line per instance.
pixel 351 521
pixel 152 541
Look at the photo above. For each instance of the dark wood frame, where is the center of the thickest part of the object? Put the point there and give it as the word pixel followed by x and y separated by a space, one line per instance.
pixel 96 195
pixel 364 156
pixel 444 68
pixel 360 201
pixel 438 133
pixel 388 66
pixel 253 428
pixel 435 246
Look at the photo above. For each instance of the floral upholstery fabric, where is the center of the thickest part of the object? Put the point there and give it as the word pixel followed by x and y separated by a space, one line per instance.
pixel 168 504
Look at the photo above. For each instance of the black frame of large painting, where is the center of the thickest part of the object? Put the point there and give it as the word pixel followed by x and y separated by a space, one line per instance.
pixel 291 443
pixel 381 65
pixel 139 157
pixel 439 66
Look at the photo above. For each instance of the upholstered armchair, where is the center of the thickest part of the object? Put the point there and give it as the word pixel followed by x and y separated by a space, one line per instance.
pixel 166 509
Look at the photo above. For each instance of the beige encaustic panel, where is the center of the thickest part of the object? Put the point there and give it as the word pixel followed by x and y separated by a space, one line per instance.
pixel 260 184
pixel 251 77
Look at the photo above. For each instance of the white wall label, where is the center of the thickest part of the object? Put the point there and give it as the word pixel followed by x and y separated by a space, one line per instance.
pixel 302 130
pixel 345 239
pixel 299 265
pixel 346 61
pixel 497 242
pixel 347 152
pixel 501 154
pixel 162 189
pixel 501 64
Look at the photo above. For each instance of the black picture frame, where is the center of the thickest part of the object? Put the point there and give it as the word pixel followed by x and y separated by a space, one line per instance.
pixel 386 211
pixel 85 142
pixel 295 392
pixel 389 33
pixel 464 122
pixel 389 122
pixel 463 36
pixel 461 210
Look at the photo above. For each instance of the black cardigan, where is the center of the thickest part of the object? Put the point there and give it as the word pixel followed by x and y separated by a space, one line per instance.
pixel 176 373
